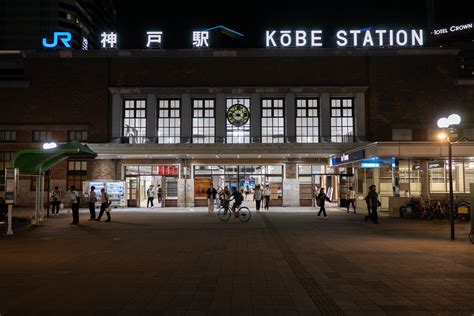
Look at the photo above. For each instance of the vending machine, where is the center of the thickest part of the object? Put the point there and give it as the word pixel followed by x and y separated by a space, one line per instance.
pixel 115 190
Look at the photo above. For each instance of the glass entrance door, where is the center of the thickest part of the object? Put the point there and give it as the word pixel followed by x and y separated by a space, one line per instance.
pixel 132 192
pixel 154 182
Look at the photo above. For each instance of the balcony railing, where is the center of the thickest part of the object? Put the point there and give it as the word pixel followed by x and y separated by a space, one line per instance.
pixel 222 140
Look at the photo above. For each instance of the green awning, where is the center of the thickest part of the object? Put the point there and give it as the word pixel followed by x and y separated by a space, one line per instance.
pixel 36 161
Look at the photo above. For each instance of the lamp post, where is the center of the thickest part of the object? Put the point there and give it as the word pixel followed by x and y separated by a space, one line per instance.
pixel 449 125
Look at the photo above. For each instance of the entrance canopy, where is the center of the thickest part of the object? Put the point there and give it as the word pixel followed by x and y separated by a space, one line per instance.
pixel 37 161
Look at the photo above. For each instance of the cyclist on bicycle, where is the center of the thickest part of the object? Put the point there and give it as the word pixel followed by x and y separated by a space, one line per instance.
pixel 225 197
pixel 238 198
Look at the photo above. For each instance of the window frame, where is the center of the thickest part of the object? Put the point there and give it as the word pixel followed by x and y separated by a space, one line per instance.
pixel 134 139
pixel 399 134
pixel 178 129
pixel 341 108
pixel 203 109
pixel 246 128
pixel 81 131
pixel 12 136
pixel 47 139
pixel 318 116
pixel 76 175
pixel 283 137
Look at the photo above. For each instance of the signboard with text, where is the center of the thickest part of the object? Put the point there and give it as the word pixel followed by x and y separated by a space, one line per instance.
pixel 273 38
pixel 349 157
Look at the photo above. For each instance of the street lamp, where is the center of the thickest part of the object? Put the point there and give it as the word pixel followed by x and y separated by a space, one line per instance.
pixel 450 135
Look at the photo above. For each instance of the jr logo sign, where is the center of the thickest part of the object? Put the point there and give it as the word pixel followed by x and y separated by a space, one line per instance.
pixel 65 38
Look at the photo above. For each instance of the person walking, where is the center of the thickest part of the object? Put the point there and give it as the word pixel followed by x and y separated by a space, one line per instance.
pixel 75 200
pixel 257 197
pixel 350 198
pixel 150 193
pixel 92 200
pixel 55 200
pixel 369 213
pixel 160 195
pixel 104 203
pixel 266 197
pixel 374 203
pixel 322 198
pixel 211 196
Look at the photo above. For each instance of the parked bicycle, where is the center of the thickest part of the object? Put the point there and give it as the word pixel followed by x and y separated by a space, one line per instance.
pixel 242 213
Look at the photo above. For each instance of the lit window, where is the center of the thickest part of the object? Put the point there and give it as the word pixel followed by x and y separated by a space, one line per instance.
pixel 342 120
pixel 273 121
pixel 203 121
pixel 307 121
pixel 134 121
pixel 169 123
pixel 241 134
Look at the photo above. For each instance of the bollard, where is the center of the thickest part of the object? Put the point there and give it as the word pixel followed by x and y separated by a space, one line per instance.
pixel 10 211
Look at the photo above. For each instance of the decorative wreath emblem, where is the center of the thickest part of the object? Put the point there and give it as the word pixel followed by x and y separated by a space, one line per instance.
pixel 238 115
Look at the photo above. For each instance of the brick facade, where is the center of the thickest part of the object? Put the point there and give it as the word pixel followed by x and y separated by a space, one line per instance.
pixel 102 169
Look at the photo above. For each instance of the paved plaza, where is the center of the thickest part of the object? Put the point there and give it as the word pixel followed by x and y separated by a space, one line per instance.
pixel 282 262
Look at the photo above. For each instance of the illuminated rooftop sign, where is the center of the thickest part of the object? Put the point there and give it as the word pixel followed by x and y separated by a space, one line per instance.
pixel 274 38
pixel 453 29
pixel 64 37
pixel 350 38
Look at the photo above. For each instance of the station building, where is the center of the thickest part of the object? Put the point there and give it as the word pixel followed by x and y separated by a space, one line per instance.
pixel 295 119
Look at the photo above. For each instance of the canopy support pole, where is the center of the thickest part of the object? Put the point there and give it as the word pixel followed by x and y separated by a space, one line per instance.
pixel 41 177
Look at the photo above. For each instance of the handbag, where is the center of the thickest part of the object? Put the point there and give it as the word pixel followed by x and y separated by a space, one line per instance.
pixel 378 203
pixel 108 209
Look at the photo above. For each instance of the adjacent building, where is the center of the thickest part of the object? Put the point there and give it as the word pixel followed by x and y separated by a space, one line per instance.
pixel 23 23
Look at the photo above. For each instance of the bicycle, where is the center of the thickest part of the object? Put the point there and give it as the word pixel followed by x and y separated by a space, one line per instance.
pixel 242 213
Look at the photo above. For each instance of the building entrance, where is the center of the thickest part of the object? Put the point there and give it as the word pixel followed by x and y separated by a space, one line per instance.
pixel 140 178
pixel 242 177
pixel 314 177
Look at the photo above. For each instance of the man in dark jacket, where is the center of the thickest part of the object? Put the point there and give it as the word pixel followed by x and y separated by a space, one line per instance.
pixel 238 198
pixel 322 197
pixel 374 203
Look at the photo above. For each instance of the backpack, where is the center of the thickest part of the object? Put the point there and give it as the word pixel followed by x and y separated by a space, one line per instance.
pixel 55 195
pixel 318 201
pixel 239 197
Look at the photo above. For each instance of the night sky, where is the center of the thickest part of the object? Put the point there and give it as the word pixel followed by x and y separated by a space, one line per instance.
pixel 134 18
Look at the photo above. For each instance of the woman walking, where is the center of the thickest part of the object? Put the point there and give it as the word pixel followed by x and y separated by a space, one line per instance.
pixel 321 200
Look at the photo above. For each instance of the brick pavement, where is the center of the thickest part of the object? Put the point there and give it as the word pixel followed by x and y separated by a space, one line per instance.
pixel 181 262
